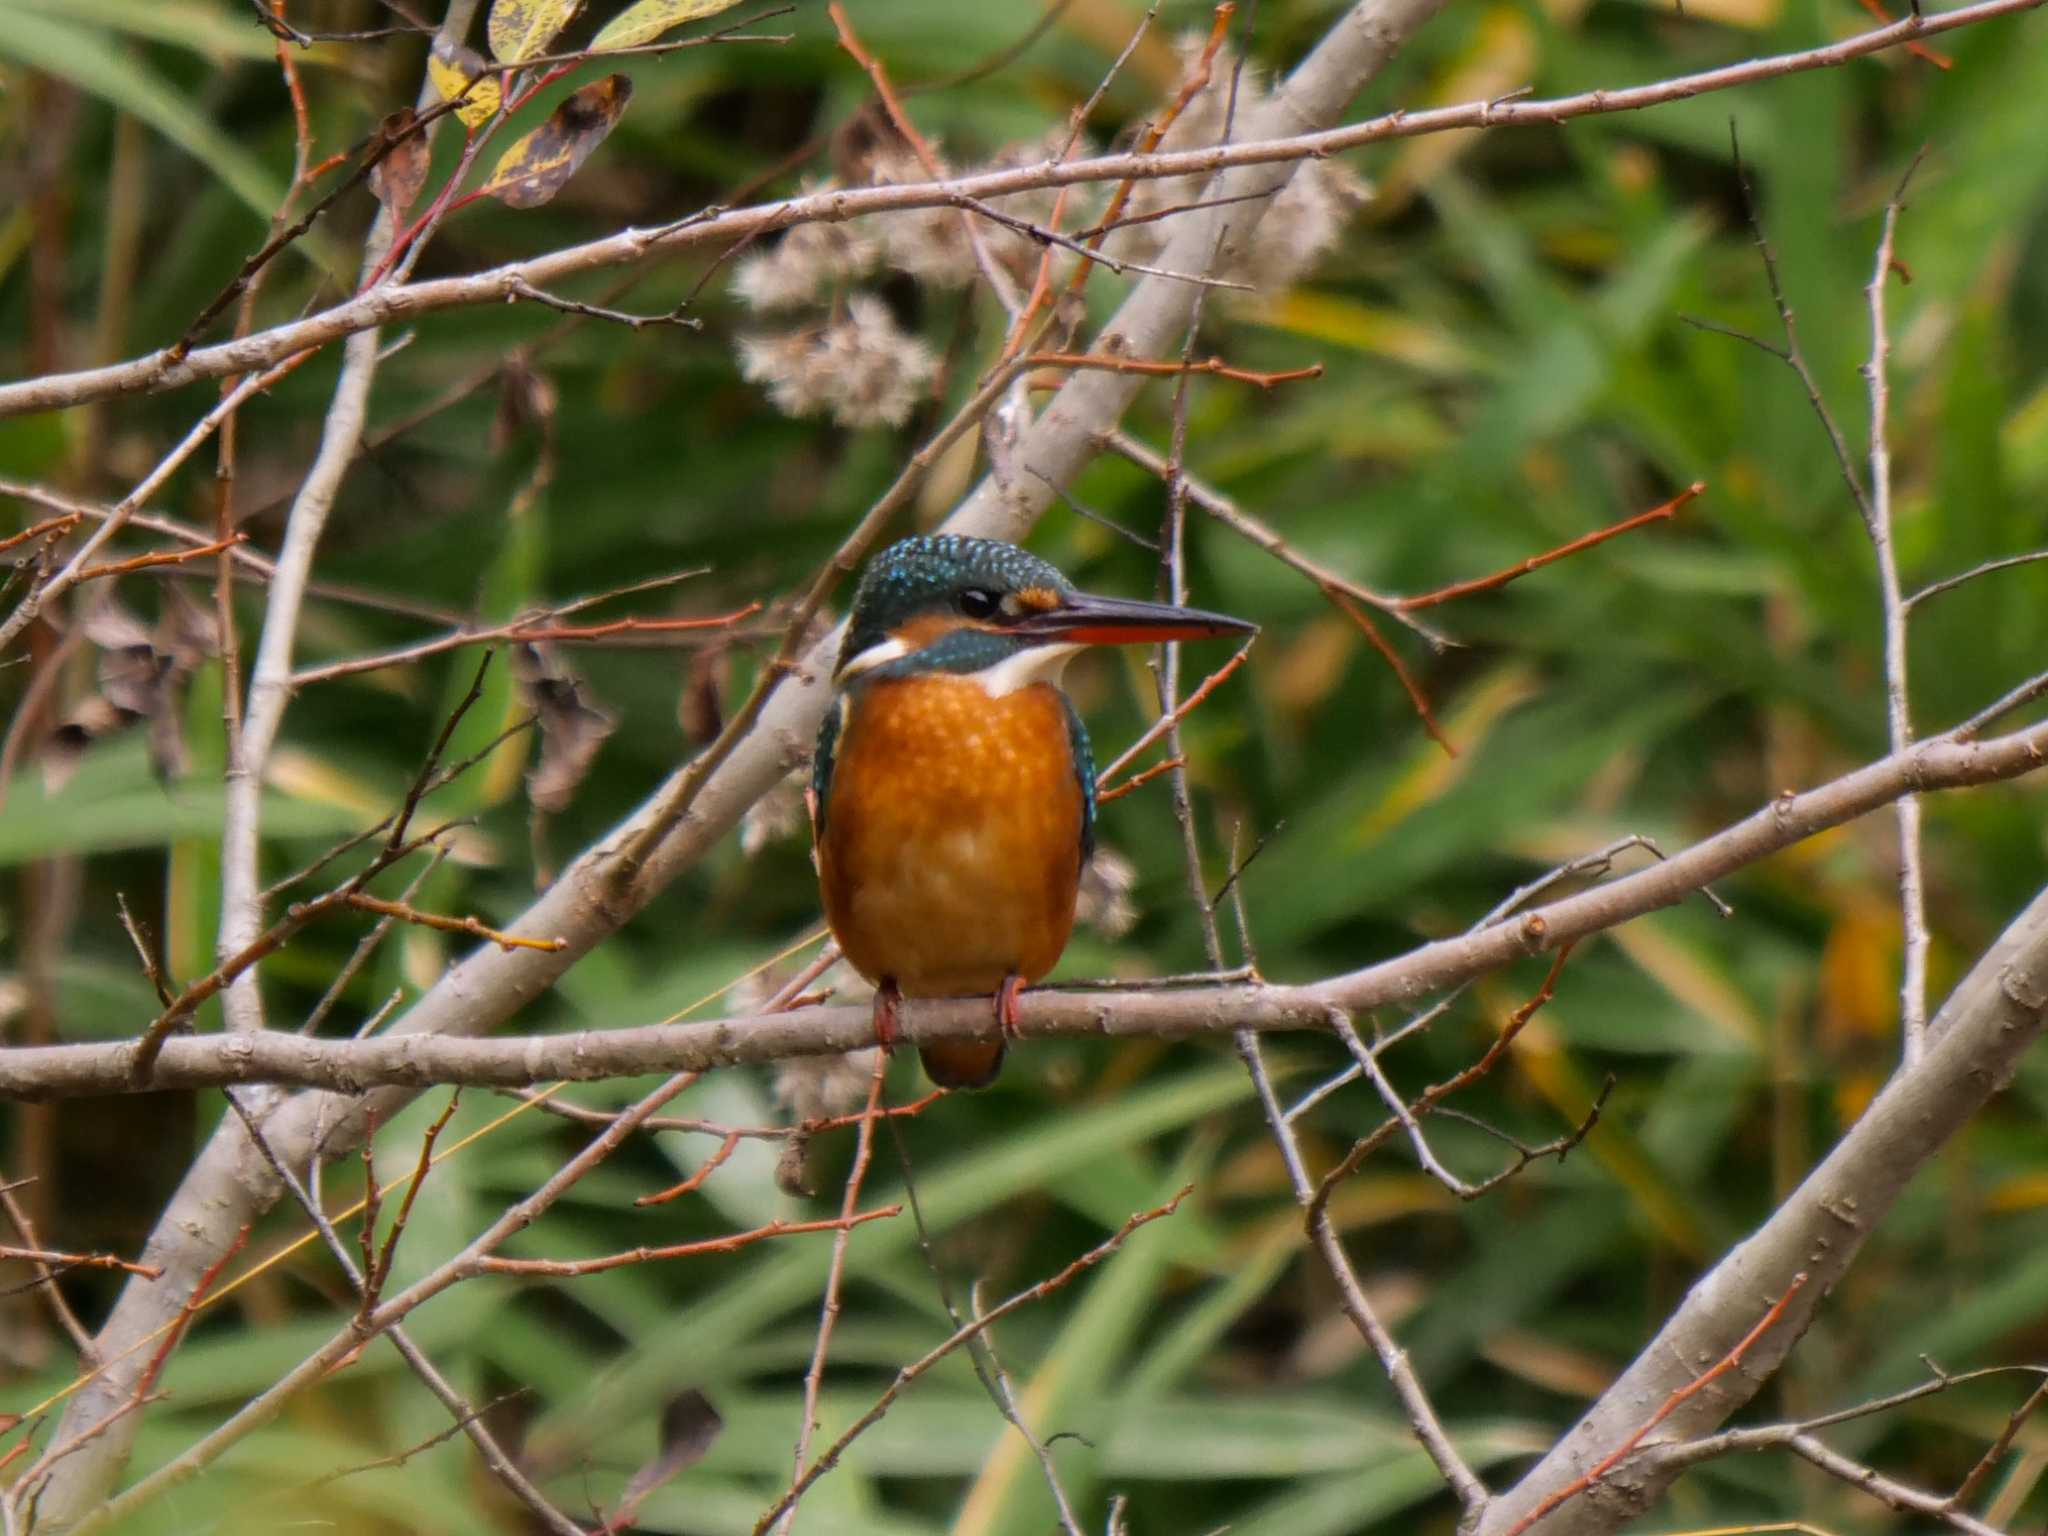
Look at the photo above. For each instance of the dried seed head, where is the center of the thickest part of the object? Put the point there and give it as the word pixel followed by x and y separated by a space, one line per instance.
pixel 1104 903
pixel 809 260
pixel 861 368
pixel 930 244
pixel 1302 222
pixel 776 815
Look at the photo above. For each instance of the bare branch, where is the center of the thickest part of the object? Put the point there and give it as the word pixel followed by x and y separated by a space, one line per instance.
pixel 385 305
pixel 413 1058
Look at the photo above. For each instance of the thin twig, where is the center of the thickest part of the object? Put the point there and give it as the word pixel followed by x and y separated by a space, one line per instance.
pixel 390 305
pixel 828 1316
pixel 829 1457
pixel 1728 1362
pixel 1898 701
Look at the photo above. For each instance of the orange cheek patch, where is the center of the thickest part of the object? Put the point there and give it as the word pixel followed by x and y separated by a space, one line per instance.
pixel 1037 599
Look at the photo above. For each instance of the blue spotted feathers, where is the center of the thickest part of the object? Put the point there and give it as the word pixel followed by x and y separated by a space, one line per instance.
pixel 924 573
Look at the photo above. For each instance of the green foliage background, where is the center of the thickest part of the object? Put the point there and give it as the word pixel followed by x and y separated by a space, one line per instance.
pixel 1506 368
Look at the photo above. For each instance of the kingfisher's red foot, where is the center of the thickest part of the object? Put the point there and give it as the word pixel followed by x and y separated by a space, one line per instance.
pixel 1008 1019
pixel 887 998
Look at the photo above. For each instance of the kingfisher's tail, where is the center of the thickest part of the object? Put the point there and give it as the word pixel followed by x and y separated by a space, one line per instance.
pixel 962 1063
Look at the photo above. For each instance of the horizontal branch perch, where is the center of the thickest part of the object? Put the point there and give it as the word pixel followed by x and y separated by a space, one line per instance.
pixel 415 1059
pixel 389 304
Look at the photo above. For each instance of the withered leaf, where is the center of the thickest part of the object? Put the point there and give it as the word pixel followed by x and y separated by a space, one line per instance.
pixel 571 728
pixel 644 22
pixel 186 631
pixel 452 67
pixel 689 1426
pixel 141 677
pixel 65 750
pixel 533 170
pixel 522 29
pixel 700 708
pixel 398 177
pixel 132 672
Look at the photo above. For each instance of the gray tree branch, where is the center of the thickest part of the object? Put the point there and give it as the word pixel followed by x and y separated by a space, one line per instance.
pixel 1974 1045
pixel 411 1057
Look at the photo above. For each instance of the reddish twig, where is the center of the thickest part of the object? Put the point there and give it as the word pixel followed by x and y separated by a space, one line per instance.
pixel 79 1260
pixel 469 925
pixel 1167 722
pixel 998 281
pixel 161 557
pixel 145 1384
pixel 885 1112
pixel 1215 365
pixel 57 525
pixel 1522 568
pixel 829 1458
pixel 1431 1097
pixel 828 1315
pixel 731 1243
pixel 1671 1404
pixel 1144 776
pixel 1077 122
pixel 696 1180
pixel 1355 612
pixel 1995 1452
pixel 1197 81
pixel 24 1225
pixel 1918 50
pixel 373 1279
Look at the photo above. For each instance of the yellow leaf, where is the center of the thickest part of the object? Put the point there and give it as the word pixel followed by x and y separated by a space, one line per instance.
pixel 452 69
pixel 533 170
pixel 646 21
pixel 522 29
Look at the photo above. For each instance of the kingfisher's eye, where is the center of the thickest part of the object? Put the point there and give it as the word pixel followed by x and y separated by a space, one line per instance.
pixel 979 603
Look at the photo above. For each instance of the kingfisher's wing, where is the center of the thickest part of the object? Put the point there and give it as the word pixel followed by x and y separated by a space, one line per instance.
pixel 1084 770
pixel 821 763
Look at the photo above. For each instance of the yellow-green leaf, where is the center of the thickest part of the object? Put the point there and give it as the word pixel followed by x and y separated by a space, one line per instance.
pixel 454 69
pixel 522 29
pixel 533 170
pixel 645 21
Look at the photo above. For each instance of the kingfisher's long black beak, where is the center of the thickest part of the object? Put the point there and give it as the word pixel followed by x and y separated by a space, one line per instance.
pixel 1084 619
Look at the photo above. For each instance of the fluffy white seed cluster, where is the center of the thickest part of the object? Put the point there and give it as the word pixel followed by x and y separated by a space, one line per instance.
pixel 810 262
pixel 858 366
pixel 1302 222
pixel 932 244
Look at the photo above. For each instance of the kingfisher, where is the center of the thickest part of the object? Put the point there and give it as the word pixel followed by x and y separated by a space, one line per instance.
pixel 952 790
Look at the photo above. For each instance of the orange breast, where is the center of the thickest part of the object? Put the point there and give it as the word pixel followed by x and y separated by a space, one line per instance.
pixel 952 845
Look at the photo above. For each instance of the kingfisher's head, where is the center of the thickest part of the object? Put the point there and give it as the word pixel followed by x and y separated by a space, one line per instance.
pixel 941 602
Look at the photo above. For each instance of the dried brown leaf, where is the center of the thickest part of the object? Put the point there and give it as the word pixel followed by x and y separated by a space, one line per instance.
pixel 522 29
pixel 534 169
pixel 645 22
pixel 398 177
pixel 571 727
pixel 689 1426
pixel 65 750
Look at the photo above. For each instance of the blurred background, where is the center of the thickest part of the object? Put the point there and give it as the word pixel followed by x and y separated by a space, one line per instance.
pixel 1507 366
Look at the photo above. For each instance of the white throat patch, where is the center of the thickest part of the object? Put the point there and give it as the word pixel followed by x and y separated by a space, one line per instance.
pixel 874 656
pixel 1033 664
